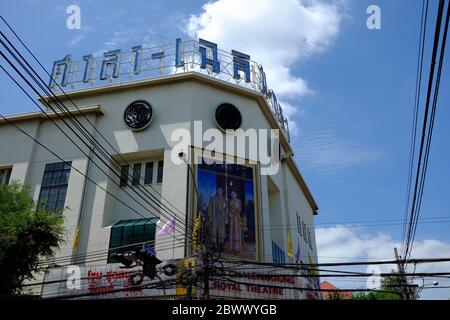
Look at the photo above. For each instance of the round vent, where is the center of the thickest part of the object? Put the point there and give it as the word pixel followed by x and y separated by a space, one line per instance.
pixel 138 115
pixel 228 117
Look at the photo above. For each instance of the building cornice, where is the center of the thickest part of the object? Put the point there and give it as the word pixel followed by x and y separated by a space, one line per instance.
pixel 39 115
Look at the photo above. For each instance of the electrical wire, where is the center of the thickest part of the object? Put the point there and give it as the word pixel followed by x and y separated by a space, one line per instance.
pixel 420 58
pixel 422 168
pixel 73 103
pixel 432 120
pixel 113 180
pixel 68 163
pixel 57 102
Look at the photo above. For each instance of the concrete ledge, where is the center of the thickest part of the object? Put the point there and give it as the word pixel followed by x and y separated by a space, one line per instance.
pixel 39 115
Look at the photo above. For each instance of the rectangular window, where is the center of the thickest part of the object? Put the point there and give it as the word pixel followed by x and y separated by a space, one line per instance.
pixel 159 177
pixel 299 224
pixel 124 175
pixel 304 231
pixel 274 257
pixel 130 235
pixel 148 179
pixel 278 254
pixel 5 175
pixel 309 238
pixel 54 186
pixel 136 174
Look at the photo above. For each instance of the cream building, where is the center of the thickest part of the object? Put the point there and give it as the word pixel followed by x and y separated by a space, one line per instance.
pixel 276 211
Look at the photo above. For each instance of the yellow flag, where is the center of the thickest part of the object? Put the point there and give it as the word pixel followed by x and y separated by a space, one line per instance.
pixel 196 234
pixel 185 272
pixel 76 238
pixel 313 270
pixel 290 249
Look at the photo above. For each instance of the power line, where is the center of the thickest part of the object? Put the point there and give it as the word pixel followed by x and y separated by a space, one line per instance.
pixel 74 121
pixel 77 170
pixel 92 255
pixel 422 37
pixel 73 103
pixel 302 288
pixel 57 113
pixel 432 119
pixel 359 225
pixel 331 264
pixel 423 156
pixel 47 115
pixel 237 273
pixel 383 275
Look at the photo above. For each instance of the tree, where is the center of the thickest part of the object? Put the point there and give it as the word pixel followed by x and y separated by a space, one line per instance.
pixel 335 296
pixel 390 290
pixel 27 233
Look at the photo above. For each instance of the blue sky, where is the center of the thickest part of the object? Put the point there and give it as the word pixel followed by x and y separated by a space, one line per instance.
pixel 349 92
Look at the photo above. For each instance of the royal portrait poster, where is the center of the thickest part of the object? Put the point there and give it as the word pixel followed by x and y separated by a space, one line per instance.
pixel 227 206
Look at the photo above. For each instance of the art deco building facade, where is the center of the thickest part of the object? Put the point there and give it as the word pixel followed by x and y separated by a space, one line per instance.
pixel 114 201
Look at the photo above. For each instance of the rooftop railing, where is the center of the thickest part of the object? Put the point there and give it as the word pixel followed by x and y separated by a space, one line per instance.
pixel 116 67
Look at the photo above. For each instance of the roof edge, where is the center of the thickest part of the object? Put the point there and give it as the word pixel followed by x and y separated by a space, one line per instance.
pixel 37 115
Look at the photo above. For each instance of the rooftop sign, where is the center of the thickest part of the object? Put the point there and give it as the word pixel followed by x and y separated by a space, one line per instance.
pixel 184 56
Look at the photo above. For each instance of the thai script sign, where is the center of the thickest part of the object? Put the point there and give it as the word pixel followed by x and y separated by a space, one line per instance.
pixel 140 63
pixel 235 281
pixel 108 281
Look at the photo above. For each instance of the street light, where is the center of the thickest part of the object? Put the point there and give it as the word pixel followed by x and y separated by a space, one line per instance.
pixel 434 283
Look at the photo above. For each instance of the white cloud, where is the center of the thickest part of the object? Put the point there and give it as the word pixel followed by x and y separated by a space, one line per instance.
pixel 80 35
pixel 327 154
pixel 341 243
pixel 75 40
pixel 128 35
pixel 117 38
pixel 289 111
pixel 276 34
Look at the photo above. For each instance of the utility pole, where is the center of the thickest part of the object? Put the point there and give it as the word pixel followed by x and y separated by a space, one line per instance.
pixel 204 251
pixel 403 282
pixel 206 274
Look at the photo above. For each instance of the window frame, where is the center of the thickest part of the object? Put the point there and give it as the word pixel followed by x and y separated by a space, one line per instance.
pixel 160 174
pixel 6 176
pixel 124 175
pixel 304 232
pixel 299 225
pixel 278 254
pixel 151 170
pixel 128 240
pixel 54 185
pixel 136 176
pixel 148 173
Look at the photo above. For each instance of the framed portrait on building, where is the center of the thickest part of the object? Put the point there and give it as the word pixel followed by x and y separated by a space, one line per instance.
pixel 227 206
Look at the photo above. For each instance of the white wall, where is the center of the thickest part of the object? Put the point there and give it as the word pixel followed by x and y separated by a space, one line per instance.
pixel 175 105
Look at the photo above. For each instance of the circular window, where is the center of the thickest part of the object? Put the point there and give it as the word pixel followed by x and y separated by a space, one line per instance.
pixel 138 115
pixel 228 117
